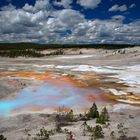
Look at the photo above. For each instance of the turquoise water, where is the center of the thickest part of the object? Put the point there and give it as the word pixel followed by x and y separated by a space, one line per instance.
pixel 48 95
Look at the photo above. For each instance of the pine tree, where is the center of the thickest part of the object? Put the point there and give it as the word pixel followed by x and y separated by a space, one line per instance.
pixel 70 116
pixel 93 112
pixel 2 137
pixel 98 132
pixel 104 116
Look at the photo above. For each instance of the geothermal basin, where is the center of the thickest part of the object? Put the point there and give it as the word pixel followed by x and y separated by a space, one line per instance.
pixel 57 86
pixel 51 91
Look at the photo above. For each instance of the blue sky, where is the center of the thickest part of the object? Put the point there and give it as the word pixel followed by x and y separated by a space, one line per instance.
pixel 70 21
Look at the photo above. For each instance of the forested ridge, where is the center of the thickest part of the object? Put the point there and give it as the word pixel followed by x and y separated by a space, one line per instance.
pixel 34 50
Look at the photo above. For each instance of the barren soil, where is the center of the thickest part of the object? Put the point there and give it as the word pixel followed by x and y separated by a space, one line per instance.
pixel 112 72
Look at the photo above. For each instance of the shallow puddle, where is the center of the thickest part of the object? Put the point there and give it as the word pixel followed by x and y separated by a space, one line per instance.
pixel 55 90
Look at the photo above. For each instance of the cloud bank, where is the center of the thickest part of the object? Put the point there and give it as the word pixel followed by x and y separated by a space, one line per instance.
pixel 44 24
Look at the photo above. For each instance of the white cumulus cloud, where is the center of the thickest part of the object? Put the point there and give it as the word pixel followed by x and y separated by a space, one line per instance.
pixel 91 4
pixel 64 3
pixel 118 8
pixel 43 23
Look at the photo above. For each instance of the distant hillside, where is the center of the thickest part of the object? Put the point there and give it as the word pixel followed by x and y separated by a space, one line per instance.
pixel 34 50
pixel 22 46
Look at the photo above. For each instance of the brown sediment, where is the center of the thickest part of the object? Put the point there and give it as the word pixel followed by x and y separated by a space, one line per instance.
pixel 42 76
pixel 100 81
pixel 110 96
pixel 126 97
pixel 85 80
pixel 95 81
pixel 31 75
